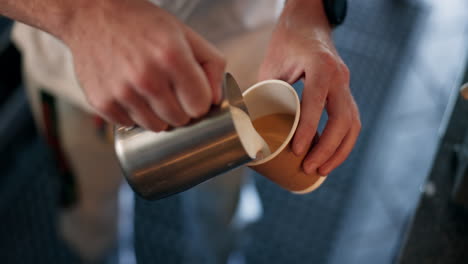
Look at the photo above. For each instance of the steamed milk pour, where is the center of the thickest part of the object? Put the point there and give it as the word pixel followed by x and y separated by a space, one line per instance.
pixel 157 165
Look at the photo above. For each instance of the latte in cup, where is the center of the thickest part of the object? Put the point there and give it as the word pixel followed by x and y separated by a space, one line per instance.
pixel 275 111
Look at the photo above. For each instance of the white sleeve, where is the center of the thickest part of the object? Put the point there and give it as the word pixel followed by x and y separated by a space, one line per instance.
pixel 47 65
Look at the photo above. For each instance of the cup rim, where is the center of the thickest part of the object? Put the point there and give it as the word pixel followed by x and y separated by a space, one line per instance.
pixel 294 126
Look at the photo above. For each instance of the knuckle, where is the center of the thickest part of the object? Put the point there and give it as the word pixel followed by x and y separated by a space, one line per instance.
pixel 123 93
pixel 200 105
pixel 180 121
pixel 168 56
pixel 158 127
pixel 220 62
pixel 326 152
pixel 176 117
pixel 144 83
pixel 327 58
pixel 308 127
pixel 103 106
pixel 335 65
pixel 345 73
pixel 125 122
pixel 346 119
pixel 356 119
pixel 340 158
pixel 318 99
pixel 199 110
pixel 139 79
pixel 151 90
pixel 358 124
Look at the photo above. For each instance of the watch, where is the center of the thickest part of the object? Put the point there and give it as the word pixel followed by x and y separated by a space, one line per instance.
pixel 336 11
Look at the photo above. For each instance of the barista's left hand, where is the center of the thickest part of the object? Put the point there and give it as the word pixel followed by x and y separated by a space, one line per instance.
pixel 301 47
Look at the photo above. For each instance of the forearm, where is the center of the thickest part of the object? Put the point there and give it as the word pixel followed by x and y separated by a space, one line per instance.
pixel 53 16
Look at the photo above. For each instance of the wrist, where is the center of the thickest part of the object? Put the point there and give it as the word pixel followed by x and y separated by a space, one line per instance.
pixel 47 15
pixel 62 19
pixel 82 13
pixel 308 14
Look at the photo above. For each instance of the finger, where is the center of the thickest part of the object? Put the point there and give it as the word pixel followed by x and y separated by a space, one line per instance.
pixel 336 129
pixel 191 86
pixel 313 102
pixel 342 152
pixel 192 90
pixel 139 110
pixel 122 117
pixel 168 108
pixel 112 112
pixel 162 100
pixel 211 60
pixel 215 78
pixel 270 69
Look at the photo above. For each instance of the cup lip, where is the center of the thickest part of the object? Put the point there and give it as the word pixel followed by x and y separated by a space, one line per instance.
pixel 294 126
pixel 314 186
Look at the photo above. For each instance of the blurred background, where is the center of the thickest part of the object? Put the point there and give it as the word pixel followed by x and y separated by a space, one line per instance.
pixel 401 197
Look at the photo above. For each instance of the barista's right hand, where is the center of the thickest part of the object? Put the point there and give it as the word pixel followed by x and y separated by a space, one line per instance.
pixel 137 64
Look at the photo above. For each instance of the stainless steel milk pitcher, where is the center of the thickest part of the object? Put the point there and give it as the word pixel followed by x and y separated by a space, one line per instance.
pixel 157 165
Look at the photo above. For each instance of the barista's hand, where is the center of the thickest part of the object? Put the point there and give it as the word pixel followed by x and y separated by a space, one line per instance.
pixel 137 64
pixel 301 47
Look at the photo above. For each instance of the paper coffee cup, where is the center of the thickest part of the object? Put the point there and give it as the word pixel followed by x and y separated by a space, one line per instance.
pixel 282 166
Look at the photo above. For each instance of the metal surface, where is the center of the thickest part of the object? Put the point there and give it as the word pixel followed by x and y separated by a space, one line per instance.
pixel 157 165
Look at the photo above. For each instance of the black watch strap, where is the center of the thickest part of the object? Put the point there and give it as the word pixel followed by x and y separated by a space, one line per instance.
pixel 336 11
